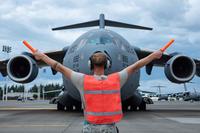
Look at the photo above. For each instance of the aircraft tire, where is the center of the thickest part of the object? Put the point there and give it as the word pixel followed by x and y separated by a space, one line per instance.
pixel 69 108
pixel 124 107
pixel 78 108
pixel 60 107
pixel 133 108
pixel 142 106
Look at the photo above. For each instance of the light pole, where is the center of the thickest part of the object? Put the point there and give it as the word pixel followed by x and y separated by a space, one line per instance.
pixel 43 93
pixel 185 87
pixel 6 49
pixel 3 93
pixel 159 88
pixel 38 93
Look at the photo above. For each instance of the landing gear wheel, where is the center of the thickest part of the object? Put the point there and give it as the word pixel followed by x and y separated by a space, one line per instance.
pixel 142 106
pixel 60 106
pixel 78 108
pixel 133 108
pixel 69 108
pixel 125 108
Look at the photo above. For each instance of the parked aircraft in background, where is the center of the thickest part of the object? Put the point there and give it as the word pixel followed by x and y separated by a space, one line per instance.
pixel 191 96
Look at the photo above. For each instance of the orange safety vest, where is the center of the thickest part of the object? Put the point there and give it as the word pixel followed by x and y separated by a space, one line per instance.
pixel 102 99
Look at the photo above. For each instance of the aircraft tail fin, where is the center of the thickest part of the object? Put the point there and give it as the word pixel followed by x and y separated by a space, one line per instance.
pixel 102 23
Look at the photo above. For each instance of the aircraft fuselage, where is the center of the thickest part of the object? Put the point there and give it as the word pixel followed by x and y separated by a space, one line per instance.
pixel 121 53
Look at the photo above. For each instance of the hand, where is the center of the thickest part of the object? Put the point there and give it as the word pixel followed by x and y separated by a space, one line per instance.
pixel 38 55
pixel 157 54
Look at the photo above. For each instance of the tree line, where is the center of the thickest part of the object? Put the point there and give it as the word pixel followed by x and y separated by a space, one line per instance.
pixel 35 88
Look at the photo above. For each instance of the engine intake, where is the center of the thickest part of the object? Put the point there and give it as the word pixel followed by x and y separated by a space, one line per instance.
pixel 180 69
pixel 22 69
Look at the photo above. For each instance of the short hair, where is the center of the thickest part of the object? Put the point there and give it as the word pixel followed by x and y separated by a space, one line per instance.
pixel 98 59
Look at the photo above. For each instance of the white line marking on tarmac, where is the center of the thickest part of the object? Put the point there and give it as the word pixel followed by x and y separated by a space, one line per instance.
pixel 4 109
pixel 33 125
pixel 185 120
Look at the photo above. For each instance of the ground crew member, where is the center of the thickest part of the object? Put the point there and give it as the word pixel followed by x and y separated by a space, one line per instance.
pixel 100 94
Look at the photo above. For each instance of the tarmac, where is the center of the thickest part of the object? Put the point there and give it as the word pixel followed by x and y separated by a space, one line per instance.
pixel 42 117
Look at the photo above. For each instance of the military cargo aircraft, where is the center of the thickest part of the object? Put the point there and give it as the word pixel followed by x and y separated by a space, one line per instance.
pixel 191 96
pixel 178 68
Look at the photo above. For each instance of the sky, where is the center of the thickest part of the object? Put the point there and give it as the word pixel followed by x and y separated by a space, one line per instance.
pixel 32 20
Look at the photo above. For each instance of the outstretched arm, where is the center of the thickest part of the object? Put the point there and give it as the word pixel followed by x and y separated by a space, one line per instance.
pixel 54 64
pixel 134 67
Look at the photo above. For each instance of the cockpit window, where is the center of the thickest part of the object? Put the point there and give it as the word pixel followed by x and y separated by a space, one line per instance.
pixel 93 41
pixel 123 46
pixel 99 40
pixel 105 40
pixel 77 45
pixel 82 42
pixel 117 42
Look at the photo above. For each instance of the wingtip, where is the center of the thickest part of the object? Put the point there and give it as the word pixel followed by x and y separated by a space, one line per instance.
pixel 53 29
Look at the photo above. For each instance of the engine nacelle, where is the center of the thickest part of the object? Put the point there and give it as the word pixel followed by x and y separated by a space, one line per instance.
pixel 198 72
pixel 22 69
pixel 180 69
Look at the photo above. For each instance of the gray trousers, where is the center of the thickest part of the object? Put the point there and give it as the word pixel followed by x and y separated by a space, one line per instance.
pixel 93 128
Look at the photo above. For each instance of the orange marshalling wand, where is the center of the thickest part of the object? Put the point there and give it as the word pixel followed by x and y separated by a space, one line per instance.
pixel 29 46
pixel 167 45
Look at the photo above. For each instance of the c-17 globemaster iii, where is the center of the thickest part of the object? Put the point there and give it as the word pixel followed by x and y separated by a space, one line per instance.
pixel 178 68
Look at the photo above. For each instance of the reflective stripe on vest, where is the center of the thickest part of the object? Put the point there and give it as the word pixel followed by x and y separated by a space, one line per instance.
pixel 103 113
pixel 101 91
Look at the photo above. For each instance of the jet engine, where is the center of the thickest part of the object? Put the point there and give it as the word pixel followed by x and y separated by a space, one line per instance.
pixel 198 72
pixel 22 69
pixel 180 69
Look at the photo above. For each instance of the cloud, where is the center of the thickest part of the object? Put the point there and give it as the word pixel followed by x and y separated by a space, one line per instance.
pixel 192 16
pixel 32 20
pixel 165 13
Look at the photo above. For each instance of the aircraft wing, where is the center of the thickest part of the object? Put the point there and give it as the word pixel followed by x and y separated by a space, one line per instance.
pixel 143 53
pixel 166 58
pixel 56 55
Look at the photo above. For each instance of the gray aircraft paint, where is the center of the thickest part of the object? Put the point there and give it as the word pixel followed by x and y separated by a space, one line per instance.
pixel 81 50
